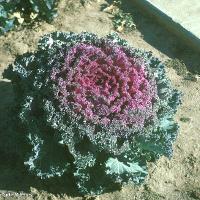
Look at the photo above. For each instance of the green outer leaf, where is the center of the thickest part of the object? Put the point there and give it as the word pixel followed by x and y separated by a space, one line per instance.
pixel 3 13
pixel 114 166
pixel 45 8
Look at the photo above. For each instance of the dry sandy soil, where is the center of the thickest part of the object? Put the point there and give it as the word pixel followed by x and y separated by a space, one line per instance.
pixel 175 179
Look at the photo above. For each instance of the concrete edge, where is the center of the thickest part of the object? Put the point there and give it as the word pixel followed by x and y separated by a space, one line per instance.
pixel 189 38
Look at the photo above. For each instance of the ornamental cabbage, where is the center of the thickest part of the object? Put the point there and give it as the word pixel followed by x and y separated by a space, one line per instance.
pixel 95 108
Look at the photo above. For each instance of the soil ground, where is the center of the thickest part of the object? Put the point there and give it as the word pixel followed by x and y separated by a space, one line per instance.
pixel 175 179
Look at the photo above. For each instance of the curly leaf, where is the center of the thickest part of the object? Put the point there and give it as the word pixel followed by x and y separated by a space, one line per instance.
pixel 116 167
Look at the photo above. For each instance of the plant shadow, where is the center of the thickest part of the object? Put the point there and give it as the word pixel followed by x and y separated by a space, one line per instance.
pixel 14 176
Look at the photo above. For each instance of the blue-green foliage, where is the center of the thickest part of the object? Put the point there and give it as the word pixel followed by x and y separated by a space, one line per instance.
pixel 98 159
pixel 6 23
pixel 45 9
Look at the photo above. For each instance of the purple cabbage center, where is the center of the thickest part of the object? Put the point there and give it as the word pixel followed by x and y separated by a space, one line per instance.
pixel 104 84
